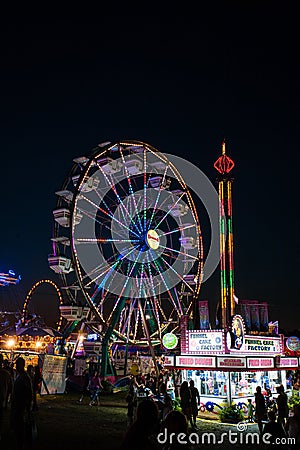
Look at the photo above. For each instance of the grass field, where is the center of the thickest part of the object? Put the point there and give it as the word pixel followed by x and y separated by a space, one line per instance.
pixel 65 424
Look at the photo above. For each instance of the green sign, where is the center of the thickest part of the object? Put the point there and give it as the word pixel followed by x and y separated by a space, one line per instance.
pixel 170 341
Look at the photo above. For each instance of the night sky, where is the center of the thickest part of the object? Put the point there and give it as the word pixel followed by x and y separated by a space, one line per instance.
pixel 180 83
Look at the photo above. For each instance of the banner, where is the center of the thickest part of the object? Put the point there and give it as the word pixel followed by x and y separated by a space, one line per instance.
pixel 184 322
pixel 260 363
pixel 263 316
pixel 197 362
pixel 287 363
pixel 244 310
pixel 254 313
pixel 225 362
pixel 54 375
pixel 203 314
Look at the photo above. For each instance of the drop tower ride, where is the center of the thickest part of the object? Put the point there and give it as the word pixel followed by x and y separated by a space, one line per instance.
pixel 224 165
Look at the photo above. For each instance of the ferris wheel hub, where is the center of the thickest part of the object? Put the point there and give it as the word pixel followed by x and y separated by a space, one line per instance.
pixel 153 239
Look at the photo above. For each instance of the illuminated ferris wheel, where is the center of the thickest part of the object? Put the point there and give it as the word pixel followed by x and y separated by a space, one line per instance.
pixel 127 242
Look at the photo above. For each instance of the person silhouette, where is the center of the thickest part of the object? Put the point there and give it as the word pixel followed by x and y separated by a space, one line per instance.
pixel 20 402
pixel 141 435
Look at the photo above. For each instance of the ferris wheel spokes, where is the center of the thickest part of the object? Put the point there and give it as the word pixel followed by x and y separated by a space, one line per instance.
pixel 135 242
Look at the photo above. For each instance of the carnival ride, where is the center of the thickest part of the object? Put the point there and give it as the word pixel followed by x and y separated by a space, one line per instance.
pixel 26 316
pixel 127 245
pixel 25 329
pixel 10 299
pixel 9 278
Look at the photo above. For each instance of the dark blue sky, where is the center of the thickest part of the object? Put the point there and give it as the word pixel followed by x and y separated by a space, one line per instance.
pixel 180 83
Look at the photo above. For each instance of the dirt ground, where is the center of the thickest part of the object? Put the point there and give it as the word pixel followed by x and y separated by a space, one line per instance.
pixel 63 423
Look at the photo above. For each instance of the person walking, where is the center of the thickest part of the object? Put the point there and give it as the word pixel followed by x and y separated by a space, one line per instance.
pixel 9 369
pixel 260 408
pixel 292 426
pixel 167 402
pixel 130 408
pixel 143 431
pixel 5 384
pixel 185 401
pixel 274 429
pixel 85 385
pixel 170 386
pixel 36 386
pixel 282 405
pixel 250 411
pixel 20 403
pixel 195 402
pixel 95 388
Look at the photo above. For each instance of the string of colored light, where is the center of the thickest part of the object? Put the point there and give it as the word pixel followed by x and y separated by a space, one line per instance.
pixel 114 189
pixel 222 254
pixel 230 248
pixel 130 188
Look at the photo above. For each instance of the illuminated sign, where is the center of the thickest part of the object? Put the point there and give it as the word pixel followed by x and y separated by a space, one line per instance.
pixel 264 345
pixel 231 363
pixel 196 361
pixel 168 361
pixel 237 332
pixel 184 321
pixel 209 342
pixel 283 363
pixel 170 341
pixel 293 343
pixel 260 363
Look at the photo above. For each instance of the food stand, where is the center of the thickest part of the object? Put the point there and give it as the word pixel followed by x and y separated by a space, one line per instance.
pixel 226 371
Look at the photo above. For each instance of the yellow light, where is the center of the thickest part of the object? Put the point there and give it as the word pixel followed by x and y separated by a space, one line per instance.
pixel 38 344
pixel 81 338
pixel 11 343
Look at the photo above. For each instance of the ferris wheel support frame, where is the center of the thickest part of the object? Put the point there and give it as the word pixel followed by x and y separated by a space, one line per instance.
pixel 105 360
pixel 148 337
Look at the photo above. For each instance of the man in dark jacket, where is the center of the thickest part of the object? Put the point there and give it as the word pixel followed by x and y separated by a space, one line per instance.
pixel 20 402
pixel 5 386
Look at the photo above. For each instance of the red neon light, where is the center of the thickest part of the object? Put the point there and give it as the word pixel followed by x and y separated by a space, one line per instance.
pixel 224 164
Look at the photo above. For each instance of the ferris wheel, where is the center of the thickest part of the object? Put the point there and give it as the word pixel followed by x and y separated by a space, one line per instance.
pixel 127 242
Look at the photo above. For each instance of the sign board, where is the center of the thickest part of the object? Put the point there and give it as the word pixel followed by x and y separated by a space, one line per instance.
pixel 285 363
pixel 184 321
pixel 264 345
pixel 225 362
pixel 54 374
pixel 260 363
pixel 237 332
pixel 170 341
pixel 199 362
pixel 208 342
pixel 169 361
pixel 293 343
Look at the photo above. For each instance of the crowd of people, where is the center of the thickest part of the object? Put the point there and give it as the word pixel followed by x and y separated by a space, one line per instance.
pixel 18 397
pixel 152 406
pixel 272 415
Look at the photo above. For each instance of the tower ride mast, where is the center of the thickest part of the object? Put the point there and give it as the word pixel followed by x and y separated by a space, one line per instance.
pixel 224 165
